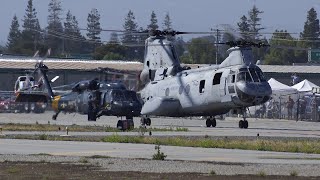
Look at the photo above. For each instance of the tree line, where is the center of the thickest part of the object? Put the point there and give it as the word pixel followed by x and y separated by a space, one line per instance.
pixel 64 36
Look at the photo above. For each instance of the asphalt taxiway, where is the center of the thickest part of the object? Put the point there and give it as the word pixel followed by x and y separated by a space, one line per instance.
pixel 270 162
pixel 195 126
pixel 125 150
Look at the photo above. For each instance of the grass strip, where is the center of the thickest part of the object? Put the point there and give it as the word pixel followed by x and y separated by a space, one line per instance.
pixel 76 128
pixel 295 146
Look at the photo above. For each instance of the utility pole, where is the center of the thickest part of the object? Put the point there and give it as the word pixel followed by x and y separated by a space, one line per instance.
pixel 217 45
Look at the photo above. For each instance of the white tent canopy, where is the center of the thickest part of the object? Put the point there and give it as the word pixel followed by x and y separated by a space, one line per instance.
pixel 280 89
pixel 304 86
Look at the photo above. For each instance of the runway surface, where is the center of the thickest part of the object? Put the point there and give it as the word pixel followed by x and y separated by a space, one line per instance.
pixel 64 148
pixel 240 161
pixel 195 126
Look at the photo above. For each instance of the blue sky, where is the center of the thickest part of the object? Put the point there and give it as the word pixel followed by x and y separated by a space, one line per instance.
pixel 187 15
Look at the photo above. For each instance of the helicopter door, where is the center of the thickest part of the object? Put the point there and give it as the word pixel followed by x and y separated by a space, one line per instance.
pixel 223 89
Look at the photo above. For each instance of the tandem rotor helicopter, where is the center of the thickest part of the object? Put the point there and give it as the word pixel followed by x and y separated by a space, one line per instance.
pixel 172 90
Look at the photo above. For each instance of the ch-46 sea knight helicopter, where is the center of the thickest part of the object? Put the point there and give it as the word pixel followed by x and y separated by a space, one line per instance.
pixel 172 90
pixel 92 97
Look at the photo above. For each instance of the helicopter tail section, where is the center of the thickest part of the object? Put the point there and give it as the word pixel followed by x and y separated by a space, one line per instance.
pixel 160 59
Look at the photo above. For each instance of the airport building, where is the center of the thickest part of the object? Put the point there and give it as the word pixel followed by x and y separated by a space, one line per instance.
pixel 69 71
pixel 73 70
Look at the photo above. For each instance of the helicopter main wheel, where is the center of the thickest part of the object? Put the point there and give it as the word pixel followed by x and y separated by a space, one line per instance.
pixel 130 124
pixel 213 122
pixel 145 121
pixel 148 121
pixel 208 122
pixel 243 124
pixel 120 125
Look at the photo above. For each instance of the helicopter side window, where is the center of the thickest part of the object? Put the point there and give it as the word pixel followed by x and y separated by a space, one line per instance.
pixel 201 87
pixel 232 78
pixel 216 79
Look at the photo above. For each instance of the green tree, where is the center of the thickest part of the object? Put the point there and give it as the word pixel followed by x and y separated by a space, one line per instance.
pixel 94 28
pixel 31 37
pixel 311 26
pixel 167 26
pixel 167 23
pixel 180 46
pixel 129 26
pixel 244 27
pixel 281 51
pixel 55 35
pixel 114 38
pixel 254 22
pixel 73 39
pixel 153 22
pixel 139 49
pixel 310 33
pixel 201 51
pixel 14 37
pixel 110 51
pixel 226 36
pixel 129 38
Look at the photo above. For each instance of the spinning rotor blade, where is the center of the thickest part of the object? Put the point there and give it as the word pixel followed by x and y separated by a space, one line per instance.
pixel 54 79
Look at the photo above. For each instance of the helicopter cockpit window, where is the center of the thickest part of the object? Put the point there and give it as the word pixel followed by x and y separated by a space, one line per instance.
pixel 244 76
pixel 260 75
pixel 254 75
pixel 130 95
pixel 22 78
pixel 117 95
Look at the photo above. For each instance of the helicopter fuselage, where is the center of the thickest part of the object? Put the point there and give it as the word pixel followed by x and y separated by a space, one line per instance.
pixel 206 91
pixel 107 102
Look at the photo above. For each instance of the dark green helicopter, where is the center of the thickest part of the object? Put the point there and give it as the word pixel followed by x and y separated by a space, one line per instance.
pixel 92 97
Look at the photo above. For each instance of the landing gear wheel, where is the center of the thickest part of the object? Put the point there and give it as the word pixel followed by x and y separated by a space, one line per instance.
pixel 241 124
pixel 213 122
pixel 130 124
pixel 245 124
pixel 143 121
pixel 208 122
pixel 120 125
pixel 148 121
pixel 54 117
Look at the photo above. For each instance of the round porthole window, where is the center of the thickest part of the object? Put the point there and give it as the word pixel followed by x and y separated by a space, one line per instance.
pixel 167 92
pixel 187 89
pixel 180 89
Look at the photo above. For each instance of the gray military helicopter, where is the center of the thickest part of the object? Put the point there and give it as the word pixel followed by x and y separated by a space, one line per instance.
pixel 172 90
pixel 92 97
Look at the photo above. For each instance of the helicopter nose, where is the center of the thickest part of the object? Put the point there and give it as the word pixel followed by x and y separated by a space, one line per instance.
pixel 253 93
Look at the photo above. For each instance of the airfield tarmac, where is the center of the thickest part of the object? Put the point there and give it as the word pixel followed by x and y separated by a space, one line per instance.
pixel 195 126
pixel 240 161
